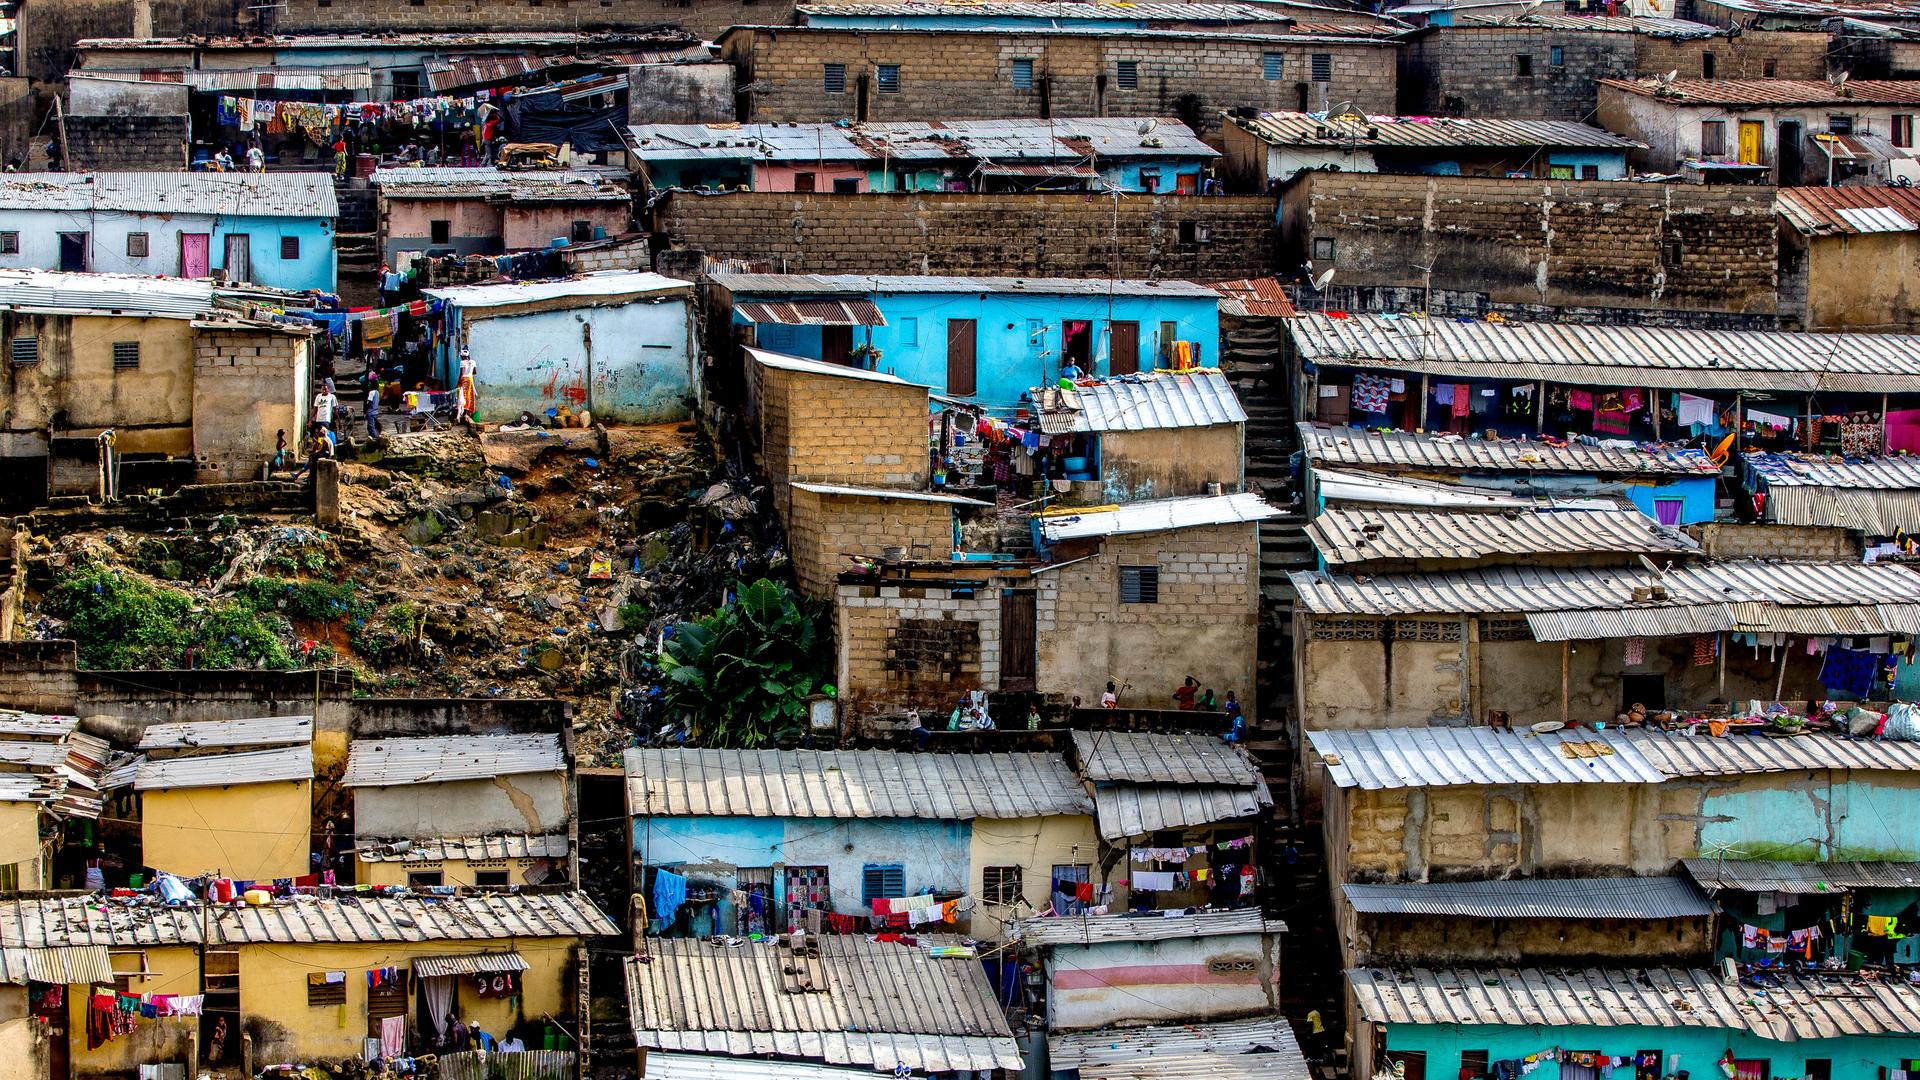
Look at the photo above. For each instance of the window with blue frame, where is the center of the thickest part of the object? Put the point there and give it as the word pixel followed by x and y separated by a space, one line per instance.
pixel 1023 74
pixel 909 329
pixel 882 881
pixel 888 78
pixel 1272 65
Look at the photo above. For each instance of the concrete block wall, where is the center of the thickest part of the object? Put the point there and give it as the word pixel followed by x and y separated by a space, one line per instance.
pixel 826 532
pixel 703 17
pixel 1792 543
pixel 904 646
pixel 828 429
pixel 127 143
pixel 243 395
pixel 982 234
pixel 1588 243
pixel 952 76
pixel 39 676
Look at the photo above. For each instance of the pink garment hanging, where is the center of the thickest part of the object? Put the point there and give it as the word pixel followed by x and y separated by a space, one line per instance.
pixel 393 1037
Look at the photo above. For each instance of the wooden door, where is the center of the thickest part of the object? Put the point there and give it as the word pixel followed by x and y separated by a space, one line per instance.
pixel 195 251
pixel 239 257
pixel 836 344
pixel 1750 140
pixel 388 999
pixel 1124 345
pixel 962 357
pixel 1018 621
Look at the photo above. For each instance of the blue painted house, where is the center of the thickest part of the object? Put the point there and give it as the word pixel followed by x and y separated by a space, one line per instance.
pixel 989 340
pixel 767 840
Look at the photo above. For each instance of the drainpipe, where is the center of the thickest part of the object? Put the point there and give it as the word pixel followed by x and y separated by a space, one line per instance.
pixel 143 18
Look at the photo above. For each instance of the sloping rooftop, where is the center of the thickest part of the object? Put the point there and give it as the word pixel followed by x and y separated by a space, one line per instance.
pixel 1258 298
pixel 441 758
pixel 1537 898
pixel 262 731
pixel 1363 534
pixel 233 194
pixel 221 770
pixel 605 285
pixel 1151 926
pixel 1607 355
pixel 1765 875
pixel 1426 132
pixel 1258 1049
pixel 811 312
pixel 1868 11
pixel 664 1066
pixel 1065 139
pixel 443 848
pixel 38 754
pixel 570 185
pixel 1404 450
pixel 870 285
pixel 1849 211
pixel 67 966
pixel 1875 496
pixel 850 784
pixel 60 291
pixel 1798 1008
pixel 1147 401
pixel 1770 92
pixel 890 493
pixel 1156 515
pixel 864 1002
pixel 1805 470
pixel 819 367
pixel 1651 26
pixel 26 725
pixel 1143 757
pixel 512 40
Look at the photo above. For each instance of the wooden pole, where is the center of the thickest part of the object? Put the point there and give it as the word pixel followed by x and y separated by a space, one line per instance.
pixel 1780 680
pixel 1566 669
pixel 1653 406
pixel 1720 661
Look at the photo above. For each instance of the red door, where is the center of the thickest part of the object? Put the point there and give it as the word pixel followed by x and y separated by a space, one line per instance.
pixel 194 249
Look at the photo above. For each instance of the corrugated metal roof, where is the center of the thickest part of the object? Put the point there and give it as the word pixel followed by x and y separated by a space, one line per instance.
pixel 604 285
pixel 1602 623
pixel 33 755
pixel 222 770
pixel 886 284
pixel 850 784
pixel 586 184
pixel 28 787
pixel 1816 1007
pixel 1609 355
pixel 889 493
pixel 1826 9
pixel 665 1066
pixel 1257 1049
pixel 876 1003
pixel 1736 92
pixel 1520 589
pixel 1299 34
pixel 1339 486
pixel 441 758
pixel 1151 926
pixel 1682 755
pixel 1128 810
pixel 816 367
pixel 442 848
pixel 1157 515
pixel 1766 875
pixel 1835 211
pixel 1154 757
pixel 1067 140
pixel 67 966
pixel 1651 26
pixel 1875 496
pixel 1803 470
pixel 60 291
pixel 1426 132
pixel 1259 298
pixel 1152 10
pixel 13 723
pixel 1537 898
pixel 234 194
pixel 1148 401
pixel 1388 758
pixel 1362 534
pixel 1419 453
pixel 389 40
pixel 812 312
pixel 260 731
pixel 428 967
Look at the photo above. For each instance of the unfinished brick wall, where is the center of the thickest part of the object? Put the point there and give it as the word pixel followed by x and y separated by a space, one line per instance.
pixel 1028 235
pixel 825 533
pixel 1799 543
pixel 703 17
pixel 1603 244
pixel 902 646
pixel 633 253
pixel 245 392
pixel 969 76
pixel 127 143
pixel 840 430
pixel 39 676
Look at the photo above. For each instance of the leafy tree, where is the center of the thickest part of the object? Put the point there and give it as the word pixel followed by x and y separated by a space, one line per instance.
pixel 741 676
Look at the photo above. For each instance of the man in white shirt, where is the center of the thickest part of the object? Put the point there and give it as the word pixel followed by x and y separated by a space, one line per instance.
pixel 323 404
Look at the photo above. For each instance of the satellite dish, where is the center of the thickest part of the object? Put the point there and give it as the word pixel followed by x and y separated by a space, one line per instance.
pixel 1652 567
pixel 1147 126
pixel 1672 75
pixel 1320 281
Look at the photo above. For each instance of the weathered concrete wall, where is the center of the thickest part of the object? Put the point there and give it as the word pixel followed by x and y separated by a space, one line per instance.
pixel 1165 462
pixel 980 234
pixel 1560 243
pixel 244 831
pixel 248 385
pixel 52 28
pixel 150 406
pixel 531 804
pixel 1443 941
pixel 175 970
pixel 826 532
pixel 904 646
pixel 1059 841
pixel 698 93
pixel 1797 543
pixel 1864 283
pixel 124 97
pixel 23 1040
pixel 703 17
pixel 1177 979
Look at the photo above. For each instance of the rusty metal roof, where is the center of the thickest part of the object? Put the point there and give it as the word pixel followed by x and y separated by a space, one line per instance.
pixel 1426 132
pixel 26 725
pixel 1766 875
pixel 56 921
pixel 1365 533
pixel 1260 298
pixel 1849 211
pixel 1149 11
pixel 1812 1007
pixel 1145 401
pixel 811 312
pixel 1389 758
pixel 1150 926
pixel 65 965
pixel 1773 92
pixel 1405 450
pixel 1602 355
pixel 850 784
pixel 427 967
pixel 1306 34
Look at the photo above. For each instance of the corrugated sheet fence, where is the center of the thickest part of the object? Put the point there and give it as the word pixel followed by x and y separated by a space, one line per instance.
pixel 522 1065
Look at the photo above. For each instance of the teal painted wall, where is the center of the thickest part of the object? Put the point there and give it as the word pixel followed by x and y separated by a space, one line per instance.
pixel 1857 1057
pixel 1870 817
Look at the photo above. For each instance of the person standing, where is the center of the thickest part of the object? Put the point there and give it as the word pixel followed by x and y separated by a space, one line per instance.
pixel 324 403
pixel 373 403
pixel 256 159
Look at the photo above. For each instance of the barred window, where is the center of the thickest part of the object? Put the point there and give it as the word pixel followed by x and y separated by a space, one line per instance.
pixel 126 355
pixel 326 988
pixel 1001 884
pixel 1139 584
pixel 834 79
pixel 1322 67
pixel 888 78
pixel 1127 74
pixel 24 350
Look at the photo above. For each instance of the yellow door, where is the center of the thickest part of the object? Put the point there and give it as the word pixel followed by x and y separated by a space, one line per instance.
pixel 1750 141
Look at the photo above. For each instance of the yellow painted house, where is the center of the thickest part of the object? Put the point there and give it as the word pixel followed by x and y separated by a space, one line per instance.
pixel 294 975
pixel 248 816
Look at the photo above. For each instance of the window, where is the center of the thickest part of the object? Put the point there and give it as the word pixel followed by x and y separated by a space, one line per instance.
pixel 846 185
pixel 1139 584
pixel 1196 232
pixel 491 878
pixel 1903 129
pixel 439 231
pixel 24 350
pixel 1559 172
pixel 1713 138
pixel 1322 67
pixel 882 881
pixel 1557 55
pixel 1768 68
pixel 126 355
pixel 908 330
pixel 1323 249
pixel 1751 1069
pixel 1149 180
pixel 136 245
pixel 1473 1063
pixel 1839 124
pixel 289 247
pixel 10 877
pixel 1272 66
pixel 1127 74
pixel 326 988
pixel 887 79
pixel 422 878
pixel 1065 873
pixel 581 231
pixel 1819 1069
pixel 128 968
pixel 1589 172
pixel 834 79
pixel 1706 65
pixel 1023 74
pixel 1001 885
pixel 1674 252
pixel 1648 1065
pixel 1523 65
pixel 9 243
pixel 805 181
